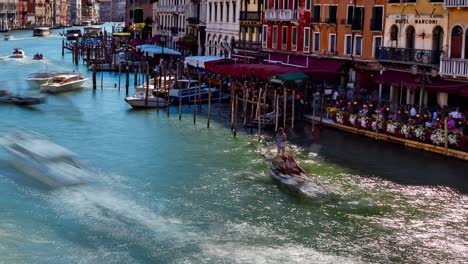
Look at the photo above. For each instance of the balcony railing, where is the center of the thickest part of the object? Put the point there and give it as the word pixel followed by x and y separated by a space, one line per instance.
pixel 250 16
pixel 456 3
pixel 454 67
pixel 407 55
pixel 281 15
pixel 248 45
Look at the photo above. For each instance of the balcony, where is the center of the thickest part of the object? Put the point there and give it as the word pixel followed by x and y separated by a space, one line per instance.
pixel 192 21
pixel 248 45
pixel 250 16
pixel 456 3
pixel 407 55
pixel 281 15
pixel 454 67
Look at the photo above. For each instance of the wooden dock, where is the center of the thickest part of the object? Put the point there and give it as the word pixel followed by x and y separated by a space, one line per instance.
pixel 384 137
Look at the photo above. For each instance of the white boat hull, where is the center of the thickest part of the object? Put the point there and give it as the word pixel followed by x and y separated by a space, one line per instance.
pixel 58 88
pixel 17 56
pixel 140 102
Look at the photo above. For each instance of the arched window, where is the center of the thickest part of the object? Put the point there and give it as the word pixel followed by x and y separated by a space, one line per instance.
pixel 410 37
pixel 394 33
pixel 456 42
pixel 438 39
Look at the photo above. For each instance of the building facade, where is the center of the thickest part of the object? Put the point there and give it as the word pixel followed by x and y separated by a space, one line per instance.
pixel 171 20
pixel 250 28
pixel 139 10
pixel 8 14
pixel 75 12
pixel 106 10
pixel 222 27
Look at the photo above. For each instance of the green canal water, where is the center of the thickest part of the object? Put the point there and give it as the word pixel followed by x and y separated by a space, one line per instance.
pixel 171 191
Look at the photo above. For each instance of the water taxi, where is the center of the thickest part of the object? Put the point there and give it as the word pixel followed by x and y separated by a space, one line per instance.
pixel 145 99
pixel 188 91
pixel 17 53
pixel 41 32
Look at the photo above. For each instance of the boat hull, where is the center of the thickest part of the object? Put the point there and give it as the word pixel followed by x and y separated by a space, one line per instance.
pixel 200 98
pixel 52 88
pixel 152 102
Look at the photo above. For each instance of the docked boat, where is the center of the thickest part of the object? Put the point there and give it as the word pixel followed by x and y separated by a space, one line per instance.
pixel 287 173
pixel 143 99
pixel 45 161
pixel 73 34
pixel 64 83
pixel 8 98
pixel 188 91
pixel 17 53
pixel 41 32
pixel 6 36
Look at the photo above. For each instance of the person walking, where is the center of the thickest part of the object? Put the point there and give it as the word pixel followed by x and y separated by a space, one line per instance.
pixel 281 139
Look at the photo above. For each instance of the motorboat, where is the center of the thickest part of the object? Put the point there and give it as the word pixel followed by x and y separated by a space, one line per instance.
pixel 293 177
pixel 6 36
pixel 47 162
pixel 159 85
pixel 145 99
pixel 64 83
pixel 41 32
pixel 188 91
pixel 38 56
pixel 8 98
pixel 38 78
pixel 17 53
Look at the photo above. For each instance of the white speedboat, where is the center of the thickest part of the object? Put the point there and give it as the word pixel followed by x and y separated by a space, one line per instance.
pixel 45 161
pixel 38 78
pixel 64 83
pixel 17 53
pixel 143 99
pixel 188 91
pixel 42 31
pixel 7 37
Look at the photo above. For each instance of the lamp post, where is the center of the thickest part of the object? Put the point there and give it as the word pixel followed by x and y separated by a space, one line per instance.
pixel 424 76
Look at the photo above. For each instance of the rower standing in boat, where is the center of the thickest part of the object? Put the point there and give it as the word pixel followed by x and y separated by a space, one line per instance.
pixel 281 139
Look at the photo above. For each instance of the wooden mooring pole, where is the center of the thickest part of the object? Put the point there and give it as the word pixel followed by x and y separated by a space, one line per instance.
pixel 94 76
pixel 259 131
pixel 209 103
pixel 127 78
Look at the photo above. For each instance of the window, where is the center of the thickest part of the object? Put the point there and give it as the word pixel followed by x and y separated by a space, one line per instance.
pixel 316 16
pixel 295 4
pixel 130 15
pixel 358 48
pixel 294 38
pixel 275 37
pixel 306 39
pixel 216 12
pixel 308 4
pixel 285 4
pixel 284 38
pixel 276 4
pixel 210 13
pixel 349 19
pixel 265 4
pixel 348 44
pixel 316 41
pixel 332 43
pixel 358 18
pixel 265 36
pixel 377 45
pixel 332 14
pixel 234 11
pixel 221 12
pixel 227 12
pixel 377 18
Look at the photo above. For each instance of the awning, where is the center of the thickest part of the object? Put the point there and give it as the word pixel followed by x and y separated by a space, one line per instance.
pixel 152 50
pixel 288 77
pixel 199 61
pixel 317 65
pixel 405 79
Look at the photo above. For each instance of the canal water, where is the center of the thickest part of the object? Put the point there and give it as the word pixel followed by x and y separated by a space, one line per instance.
pixel 172 191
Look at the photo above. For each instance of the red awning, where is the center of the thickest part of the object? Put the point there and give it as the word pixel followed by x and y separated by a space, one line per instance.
pixel 324 65
pixel 464 92
pixel 397 78
pixel 238 70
